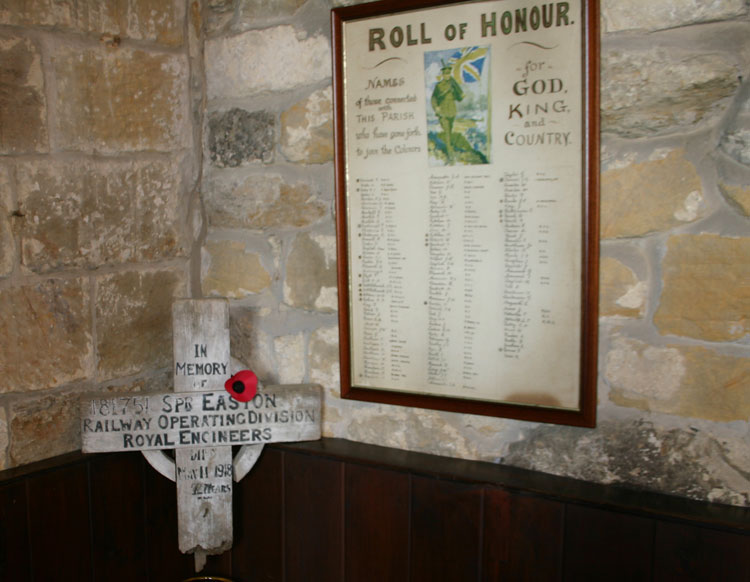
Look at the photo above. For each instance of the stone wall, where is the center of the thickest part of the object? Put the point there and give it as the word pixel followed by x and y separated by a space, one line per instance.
pixel 107 138
pixel 674 387
pixel 99 170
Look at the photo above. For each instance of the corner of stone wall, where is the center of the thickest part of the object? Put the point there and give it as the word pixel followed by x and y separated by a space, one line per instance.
pixel 674 357
pixel 268 181
pixel 97 161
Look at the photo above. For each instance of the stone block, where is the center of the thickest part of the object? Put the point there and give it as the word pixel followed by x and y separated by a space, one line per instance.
pixel 162 381
pixel 274 59
pixel 390 427
pixel 687 381
pixel 428 431
pixel 158 192
pixel 121 100
pixel 47 335
pixel 90 214
pixel 250 343
pixel 324 358
pixel 134 320
pixel 44 427
pixel 653 372
pixel 705 294
pixel 638 99
pixel 621 293
pixel 7 239
pixel 229 270
pixel 736 144
pixel 290 355
pixel 650 196
pixel 152 20
pixel 236 137
pixel 262 202
pixel 619 15
pixel 23 106
pixel 307 129
pixel 738 196
pixel 219 14
pixel 310 281
pixel 194 42
pixel 687 462
pixel 255 11
pixel 155 20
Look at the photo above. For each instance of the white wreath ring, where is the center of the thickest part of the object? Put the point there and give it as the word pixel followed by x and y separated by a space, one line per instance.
pixel 243 461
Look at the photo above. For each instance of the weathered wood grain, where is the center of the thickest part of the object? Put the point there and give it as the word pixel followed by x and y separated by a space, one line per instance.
pixel 280 413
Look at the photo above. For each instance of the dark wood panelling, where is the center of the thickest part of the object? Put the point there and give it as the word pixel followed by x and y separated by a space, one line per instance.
pixel 565 489
pixel 118 510
pixel 313 519
pixel 687 553
pixel 15 560
pixel 496 530
pixel 257 554
pixel 537 534
pixel 445 533
pixel 335 511
pixel 523 537
pixel 218 565
pixel 59 526
pixel 165 562
pixel 377 524
pixel 599 541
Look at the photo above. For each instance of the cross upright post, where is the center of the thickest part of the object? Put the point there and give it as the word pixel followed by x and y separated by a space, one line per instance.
pixel 200 332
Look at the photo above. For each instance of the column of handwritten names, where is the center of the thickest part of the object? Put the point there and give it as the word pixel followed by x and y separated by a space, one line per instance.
pixel 440 291
pixel 371 291
pixel 398 307
pixel 517 286
pixel 380 286
pixel 475 254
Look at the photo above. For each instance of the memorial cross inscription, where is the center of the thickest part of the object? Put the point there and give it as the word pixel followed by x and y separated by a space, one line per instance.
pixel 201 422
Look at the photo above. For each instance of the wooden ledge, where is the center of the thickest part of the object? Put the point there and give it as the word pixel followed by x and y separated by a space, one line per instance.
pixel 617 497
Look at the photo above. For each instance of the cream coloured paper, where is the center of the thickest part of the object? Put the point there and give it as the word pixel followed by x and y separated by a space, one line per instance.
pixel 464 149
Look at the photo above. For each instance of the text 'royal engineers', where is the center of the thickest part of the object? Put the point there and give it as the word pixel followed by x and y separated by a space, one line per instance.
pixel 174 420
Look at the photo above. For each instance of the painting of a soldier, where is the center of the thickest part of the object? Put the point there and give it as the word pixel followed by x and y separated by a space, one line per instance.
pixel 458 111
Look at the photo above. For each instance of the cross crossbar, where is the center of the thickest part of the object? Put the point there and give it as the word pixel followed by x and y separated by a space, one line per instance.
pixel 199 419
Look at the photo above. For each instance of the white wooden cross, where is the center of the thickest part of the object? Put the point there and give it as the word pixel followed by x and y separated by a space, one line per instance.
pixel 201 421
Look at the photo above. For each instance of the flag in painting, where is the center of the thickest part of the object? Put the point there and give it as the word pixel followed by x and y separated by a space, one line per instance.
pixel 468 64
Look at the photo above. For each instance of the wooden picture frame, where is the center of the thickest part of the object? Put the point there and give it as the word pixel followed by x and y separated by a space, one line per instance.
pixel 467 193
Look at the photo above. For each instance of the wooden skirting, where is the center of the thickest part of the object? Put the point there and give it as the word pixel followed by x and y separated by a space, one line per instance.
pixel 335 510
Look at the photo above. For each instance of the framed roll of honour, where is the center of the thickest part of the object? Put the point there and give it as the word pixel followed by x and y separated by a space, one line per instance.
pixel 467 174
